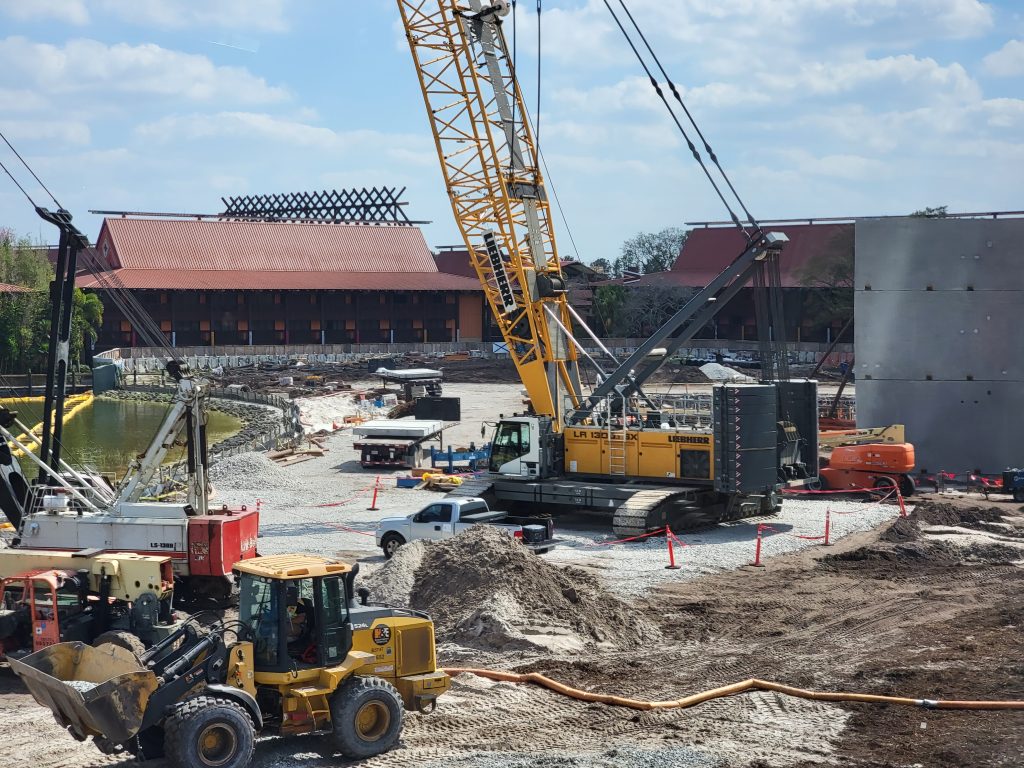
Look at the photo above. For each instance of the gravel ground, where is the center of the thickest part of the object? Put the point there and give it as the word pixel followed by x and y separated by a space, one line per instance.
pixel 619 757
pixel 293 515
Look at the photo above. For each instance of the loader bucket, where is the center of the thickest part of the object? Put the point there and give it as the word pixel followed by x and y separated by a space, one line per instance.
pixel 91 691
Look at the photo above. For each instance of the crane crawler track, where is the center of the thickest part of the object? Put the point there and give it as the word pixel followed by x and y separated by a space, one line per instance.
pixel 681 510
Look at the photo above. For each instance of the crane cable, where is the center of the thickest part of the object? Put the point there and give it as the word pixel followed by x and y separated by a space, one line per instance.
pixel 128 304
pixel 675 92
pixel 29 168
pixel 675 118
pixel 536 127
pixel 534 123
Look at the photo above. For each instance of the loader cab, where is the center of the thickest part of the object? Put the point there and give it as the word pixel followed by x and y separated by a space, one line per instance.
pixel 295 614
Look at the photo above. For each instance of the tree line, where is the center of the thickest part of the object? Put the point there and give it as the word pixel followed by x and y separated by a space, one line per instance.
pixel 25 316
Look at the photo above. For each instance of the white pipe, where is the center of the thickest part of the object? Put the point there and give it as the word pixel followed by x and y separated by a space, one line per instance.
pixel 60 480
pixel 590 333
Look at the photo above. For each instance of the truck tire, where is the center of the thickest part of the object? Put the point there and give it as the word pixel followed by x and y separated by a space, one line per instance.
pixel 366 717
pixel 390 544
pixel 209 732
pixel 121 639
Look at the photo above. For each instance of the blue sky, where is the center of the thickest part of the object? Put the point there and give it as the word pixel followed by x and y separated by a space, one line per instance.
pixel 816 107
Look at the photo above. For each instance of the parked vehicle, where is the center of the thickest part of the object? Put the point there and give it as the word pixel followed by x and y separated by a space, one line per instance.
pixel 446 517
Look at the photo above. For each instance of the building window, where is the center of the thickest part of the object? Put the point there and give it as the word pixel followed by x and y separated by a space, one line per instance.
pixel 277 298
pixel 165 326
pixel 126 325
pixel 243 325
pixel 240 298
pixel 279 325
pixel 202 298
pixel 204 325
pixel 164 298
pixel 314 325
pixel 314 298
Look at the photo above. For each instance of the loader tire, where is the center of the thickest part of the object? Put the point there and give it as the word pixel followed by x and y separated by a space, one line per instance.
pixel 209 732
pixel 121 639
pixel 366 717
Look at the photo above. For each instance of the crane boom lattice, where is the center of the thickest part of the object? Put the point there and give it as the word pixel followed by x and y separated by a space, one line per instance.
pixel 492 171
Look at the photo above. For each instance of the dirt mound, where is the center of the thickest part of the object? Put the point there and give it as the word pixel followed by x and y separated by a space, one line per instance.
pixel 886 562
pixel 485 590
pixel 937 513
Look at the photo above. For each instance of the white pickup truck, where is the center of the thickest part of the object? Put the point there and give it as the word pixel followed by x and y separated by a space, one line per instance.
pixel 447 517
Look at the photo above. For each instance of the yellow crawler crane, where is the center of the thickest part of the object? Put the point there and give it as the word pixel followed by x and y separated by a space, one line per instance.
pixel 303 657
pixel 640 461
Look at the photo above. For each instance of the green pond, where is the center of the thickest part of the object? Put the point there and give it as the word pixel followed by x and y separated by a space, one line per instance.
pixel 107 435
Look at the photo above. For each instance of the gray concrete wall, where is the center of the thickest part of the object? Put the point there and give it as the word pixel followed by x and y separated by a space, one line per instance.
pixel 940 313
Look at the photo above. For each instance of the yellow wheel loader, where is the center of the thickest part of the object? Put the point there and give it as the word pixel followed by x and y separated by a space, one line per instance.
pixel 304 656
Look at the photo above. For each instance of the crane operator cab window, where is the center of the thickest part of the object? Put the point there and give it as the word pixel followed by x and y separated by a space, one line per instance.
pixel 511 442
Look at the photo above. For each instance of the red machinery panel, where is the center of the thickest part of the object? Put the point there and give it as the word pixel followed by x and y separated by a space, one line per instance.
pixel 217 542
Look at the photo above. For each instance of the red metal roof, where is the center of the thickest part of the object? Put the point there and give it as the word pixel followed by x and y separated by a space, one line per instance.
pixel 244 280
pixel 455 262
pixel 11 288
pixel 708 251
pixel 255 255
pixel 261 245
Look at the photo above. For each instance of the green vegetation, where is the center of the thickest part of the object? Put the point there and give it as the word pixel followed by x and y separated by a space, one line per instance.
pixel 637 310
pixel 645 252
pixel 938 212
pixel 25 316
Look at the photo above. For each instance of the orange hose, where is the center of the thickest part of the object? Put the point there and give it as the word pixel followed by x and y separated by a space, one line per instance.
pixel 729 690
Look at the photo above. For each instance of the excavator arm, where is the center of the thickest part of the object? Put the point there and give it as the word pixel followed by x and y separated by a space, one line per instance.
pixel 492 171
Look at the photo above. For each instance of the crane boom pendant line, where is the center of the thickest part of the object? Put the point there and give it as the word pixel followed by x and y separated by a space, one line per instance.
pixel 492 171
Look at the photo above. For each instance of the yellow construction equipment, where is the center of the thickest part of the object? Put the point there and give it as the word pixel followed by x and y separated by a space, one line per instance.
pixel 303 657
pixel 641 460
pixel 890 435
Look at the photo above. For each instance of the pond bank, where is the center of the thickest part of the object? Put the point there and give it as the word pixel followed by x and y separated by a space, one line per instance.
pixel 258 421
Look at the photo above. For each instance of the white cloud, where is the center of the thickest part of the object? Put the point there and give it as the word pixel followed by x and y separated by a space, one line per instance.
pixel 92 67
pixel 17 100
pixel 925 77
pixel 840 166
pixel 241 125
pixel 253 15
pixel 286 132
pixel 60 131
pixel 70 11
pixel 267 15
pixel 1008 61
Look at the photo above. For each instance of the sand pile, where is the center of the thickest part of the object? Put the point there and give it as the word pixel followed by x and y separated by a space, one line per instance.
pixel 485 590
